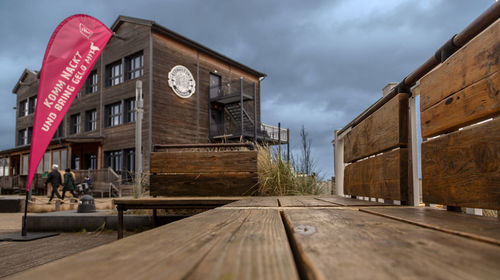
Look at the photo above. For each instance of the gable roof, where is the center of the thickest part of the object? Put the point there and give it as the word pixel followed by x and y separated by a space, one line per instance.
pixel 23 77
pixel 197 46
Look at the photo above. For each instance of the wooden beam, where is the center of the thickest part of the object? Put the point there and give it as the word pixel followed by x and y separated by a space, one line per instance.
pixel 463 168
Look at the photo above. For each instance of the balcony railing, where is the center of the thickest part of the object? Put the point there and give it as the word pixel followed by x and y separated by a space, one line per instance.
pixel 273 132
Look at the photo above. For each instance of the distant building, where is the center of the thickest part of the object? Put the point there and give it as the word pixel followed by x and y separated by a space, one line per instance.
pixel 192 94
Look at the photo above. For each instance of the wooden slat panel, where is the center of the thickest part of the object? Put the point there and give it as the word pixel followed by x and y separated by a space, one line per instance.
pixel 345 244
pixel 476 60
pixel 343 201
pixel 463 168
pixel 303 201
pixel 385 129
pixel 477 227
pixel 199 162
pixel 474 103
pixel 219 244
pixel 384 176
pixel 213 184
pixel 262 201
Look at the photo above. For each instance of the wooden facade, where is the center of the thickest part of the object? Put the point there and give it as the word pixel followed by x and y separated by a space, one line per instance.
pixel 99 129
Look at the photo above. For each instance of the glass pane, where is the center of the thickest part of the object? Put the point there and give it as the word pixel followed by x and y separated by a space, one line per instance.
pixel 64 159
pixel 24 170
pixel 56 159
pixel 46 162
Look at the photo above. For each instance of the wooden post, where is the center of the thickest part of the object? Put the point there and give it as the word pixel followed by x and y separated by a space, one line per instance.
pixel 339 163
pixel 288 145
pixel 255 112
pixel 413 149
pixel 120 222
pixel 279 139
pixel 241 105
pixel 197 97
pixel 155 215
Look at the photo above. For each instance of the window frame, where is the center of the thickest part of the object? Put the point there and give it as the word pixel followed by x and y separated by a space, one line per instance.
pixel 112 77
pixel 91 120
pixel 75 124
pixel 129 110
pixel 134 65
pixel 92 82
pixel 111 115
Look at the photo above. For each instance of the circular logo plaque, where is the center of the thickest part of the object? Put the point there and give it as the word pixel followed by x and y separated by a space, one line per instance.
pixel 181 81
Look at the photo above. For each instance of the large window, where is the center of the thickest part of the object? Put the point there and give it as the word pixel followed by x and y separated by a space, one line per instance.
pixel 24 136
pixel 130 110
pixel 114 73
pixel 31 105
pixel 113 114
pixel 60 131
pixel 91 83
pixel 23 108
pixel 91 120
pixel 75 124
pixel 114 159
pixel 134 65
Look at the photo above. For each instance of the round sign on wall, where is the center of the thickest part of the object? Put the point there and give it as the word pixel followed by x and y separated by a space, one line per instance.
pixel 181 81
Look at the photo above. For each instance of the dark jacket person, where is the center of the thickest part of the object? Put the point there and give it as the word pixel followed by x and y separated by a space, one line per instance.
pixel 69 183
pixel 54 179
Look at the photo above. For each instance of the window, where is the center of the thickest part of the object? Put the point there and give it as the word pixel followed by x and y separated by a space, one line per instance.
pixel 114 160
pixel 23 108
pixel 31 105
pixel 60 131
pixel 74 125
pixel 113 114
pixel 24 136
pixel 91 83
pixel 215 86
pixel 130 110
pixel 91 120
pixel 114 73
pixel 134 65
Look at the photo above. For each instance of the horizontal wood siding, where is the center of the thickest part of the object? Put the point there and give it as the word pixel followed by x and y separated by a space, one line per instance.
pixel 463 168
pixel 206 184
pixel 472 104
pixel 383 176
pixel 385 129
pixel 476 60
pixel 202 162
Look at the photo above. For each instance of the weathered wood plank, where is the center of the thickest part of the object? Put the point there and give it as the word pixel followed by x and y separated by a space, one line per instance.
pixel 217 244
pixel 343 201
pixel 477 227
pixel 383 176
pixel 177 201
pixel 303 201
pixel 212 184
pixel 262 201
pixel 200 162
pixel 385 129
pixel 347 244
pixel 463 168
pixel 472 104
pixel 476 60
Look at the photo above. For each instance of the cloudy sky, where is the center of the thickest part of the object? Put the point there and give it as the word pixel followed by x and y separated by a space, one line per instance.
pixel 326 61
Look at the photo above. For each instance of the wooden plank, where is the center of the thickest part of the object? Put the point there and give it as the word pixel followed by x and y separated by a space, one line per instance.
pixel 213 184
pixel 472 104
pixel 383 176
pixel 343 201
pixel 217 244
pixel 346 244
pixel 463 168
pixel 303 201
pixel 476 60
pixel 262 201
pixel 200 162
pixel 477 227
pixel 385 129
pixel 176 201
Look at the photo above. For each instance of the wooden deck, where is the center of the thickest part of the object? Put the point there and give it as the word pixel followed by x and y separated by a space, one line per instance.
pixel 298 238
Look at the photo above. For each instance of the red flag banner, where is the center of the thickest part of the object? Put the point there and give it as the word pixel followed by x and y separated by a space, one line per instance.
pixel 71 53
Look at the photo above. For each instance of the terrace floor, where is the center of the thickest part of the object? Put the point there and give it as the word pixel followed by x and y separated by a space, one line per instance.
pixel 308 237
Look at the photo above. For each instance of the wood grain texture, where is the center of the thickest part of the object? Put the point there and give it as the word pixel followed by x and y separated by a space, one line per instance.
pixel 463 168
pixel 176 201
pixel 477 227
pixel 385 129
pixel 343 201
pixel 303 201
pixel 474 103
pixel 348 244
pixel 205 184
pixel 201 162
pixel 383 176
pixel 217 244
pixel 263 201
pixel 476 60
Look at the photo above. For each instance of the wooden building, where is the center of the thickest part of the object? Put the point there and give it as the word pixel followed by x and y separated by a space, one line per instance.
pixel 192 94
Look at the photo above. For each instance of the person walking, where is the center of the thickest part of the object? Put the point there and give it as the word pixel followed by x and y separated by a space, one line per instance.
pixel 68 183
pixel 54 179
